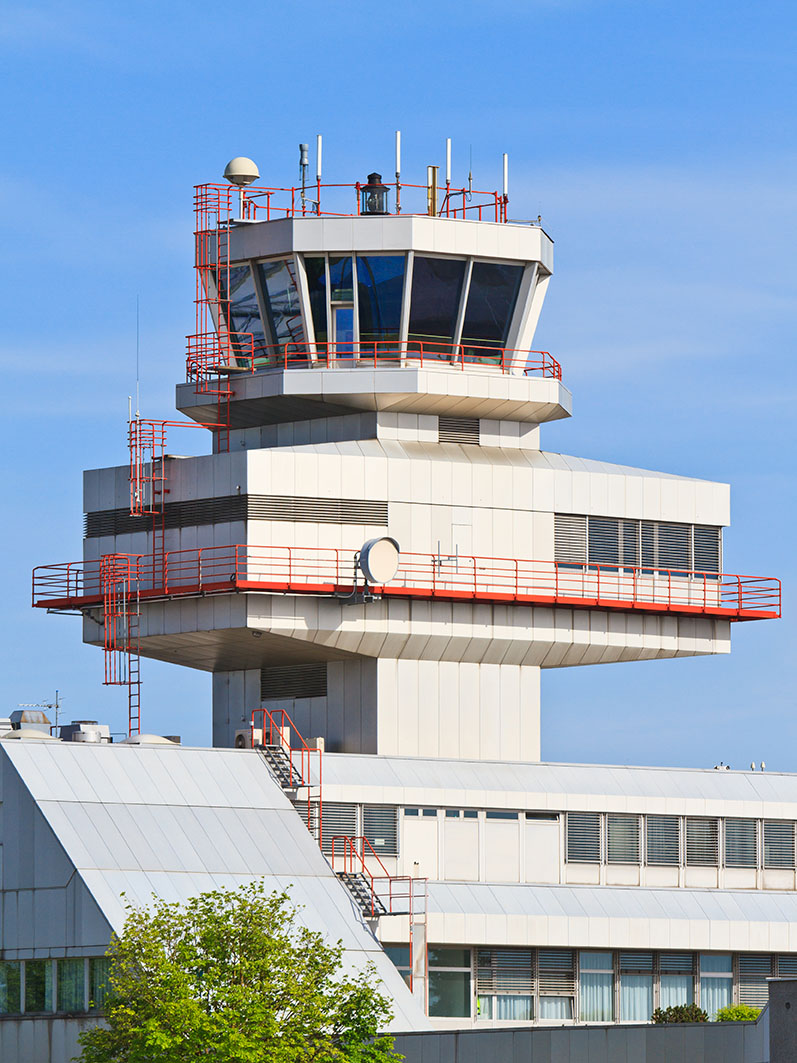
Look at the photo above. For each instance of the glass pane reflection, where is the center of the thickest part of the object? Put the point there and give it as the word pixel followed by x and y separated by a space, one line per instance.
pixel 380 286
pixel 244 311
pixel 317 285
pixel 491 302
pixel 436 291
pixel 282 303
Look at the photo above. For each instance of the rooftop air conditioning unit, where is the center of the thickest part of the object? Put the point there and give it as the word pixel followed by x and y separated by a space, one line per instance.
pixel 243 737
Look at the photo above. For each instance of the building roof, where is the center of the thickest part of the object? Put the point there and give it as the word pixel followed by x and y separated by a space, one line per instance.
pixel 174 822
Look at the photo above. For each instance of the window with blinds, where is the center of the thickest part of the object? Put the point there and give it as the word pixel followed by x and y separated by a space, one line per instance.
pixel 338 820
pixel 663 841
pixel 505 971
pixel 741 848
pixel 380 827
pixel 654 545
pixel 556 972
pixel 636 961
pixel 676 962
pixel 701 842
pixel 622 839
pixel 778 843
pixel 583 837
pixel 753 974
pixel 787 966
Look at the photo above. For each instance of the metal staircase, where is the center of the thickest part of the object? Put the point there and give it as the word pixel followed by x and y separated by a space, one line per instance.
pixel 366 899
pixel 281 768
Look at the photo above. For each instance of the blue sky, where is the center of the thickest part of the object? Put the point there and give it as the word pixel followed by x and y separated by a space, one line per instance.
pixel 656 140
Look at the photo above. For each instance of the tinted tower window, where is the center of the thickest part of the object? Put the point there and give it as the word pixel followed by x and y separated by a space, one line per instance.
pixel 491 301
pixel 436 291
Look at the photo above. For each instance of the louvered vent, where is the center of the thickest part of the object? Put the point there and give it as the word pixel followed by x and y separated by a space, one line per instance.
pixel 678 962
pixel 583 837
pixel 229 508
pixel 740 843
pixel 753 974
pixel 380 827
pixel 636 961
pixel 663 841
pixel 701 842
pixel 505 971
pixel 622 839
pixel 294 681
pixel 787 966
pixel 556 972
pixel 707 549
pixel 338 821
pixel 570 536
pixel 778 843
pixel 458 430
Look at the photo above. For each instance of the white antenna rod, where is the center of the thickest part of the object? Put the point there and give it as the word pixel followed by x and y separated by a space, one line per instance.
pixel 506 174
pixel 138 352
pixel 318 157
pixel 448 160
pixel 398 154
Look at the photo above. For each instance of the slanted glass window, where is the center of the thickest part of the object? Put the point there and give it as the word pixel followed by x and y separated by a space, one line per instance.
pixel 505 984
pixel 596 997
pixel 315 269
pixel 10 982
pixel 491 301
pixel 677 979
pixel 380 287
pixel 282 303
pixel 244 310
pixel 71 985
pixel 663 841
pixel 716 982
pixel 778 843
pixel 449 982
pixel 636 986
pixel 583 837
pixel 436 292
pixel 701 842
pixel 399 955
pixel 38 985
pixel 741 849
pixel 622 839
pixel 99 970
pixel 557 983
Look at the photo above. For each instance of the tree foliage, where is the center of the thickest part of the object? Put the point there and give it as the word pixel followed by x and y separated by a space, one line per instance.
pixel 232 975
pixel 738 1013
pixel 679 1013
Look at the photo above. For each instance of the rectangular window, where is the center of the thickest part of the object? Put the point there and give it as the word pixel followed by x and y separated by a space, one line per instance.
pixel 653 545
pixel 278 280
pixel 10 983
pixel 701 842
pixel 663 841
pixel 71 985
pixel 399 955
pixel 741 849
pixel 596 987
pixel 622 839
pixel 787 966
pixel 491 302
pixel 380 288
pixel 505 984
pixel 380 827
pixel 315 268
pixel 583 837
pixel 436 292
pixel 557 983
pixel 636 986
pixel 753 974
pixel 716 982
pixel 500 814
pixel 449 983
pixel 778 843
pixel 430 812
pixel 39 986
pixel 707 549
pixel 99 970
pixel 411 811
pixel 677 984
pixel 570 538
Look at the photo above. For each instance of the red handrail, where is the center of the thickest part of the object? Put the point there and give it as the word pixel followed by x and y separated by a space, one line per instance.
pixel 318 570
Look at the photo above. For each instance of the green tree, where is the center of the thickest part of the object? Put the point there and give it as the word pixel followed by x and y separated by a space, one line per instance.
pixel 677 1013
pixel 232 975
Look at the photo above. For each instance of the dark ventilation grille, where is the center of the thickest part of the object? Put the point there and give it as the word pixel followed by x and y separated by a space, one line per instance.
pixel 556 972
pixel 701 842
pixel 663 841
pixel 740 843
pixel 242 507
pixel 458 430
pixel 380 827
pixel 632 543
pixel 294 681
pixel 753 974
pixel 622 839
pixel 583 837
pixel 778 843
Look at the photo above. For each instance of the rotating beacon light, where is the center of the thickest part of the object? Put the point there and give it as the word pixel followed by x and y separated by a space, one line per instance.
pixel 241 172
pixel 373 195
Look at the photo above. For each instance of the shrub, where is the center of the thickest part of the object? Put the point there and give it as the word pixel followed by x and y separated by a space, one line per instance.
pixel 738 1013
pixel 679 1013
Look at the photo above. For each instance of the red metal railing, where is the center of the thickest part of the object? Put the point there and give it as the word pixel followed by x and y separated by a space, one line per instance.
pixel 351 856
pixel 308 570
pixel 210 355
pixel 278 729
pixel 343 201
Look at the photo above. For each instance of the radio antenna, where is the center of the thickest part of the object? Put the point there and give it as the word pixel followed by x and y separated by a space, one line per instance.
pixel 138 360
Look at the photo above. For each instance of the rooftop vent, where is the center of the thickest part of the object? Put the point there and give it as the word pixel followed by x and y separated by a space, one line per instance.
pixel 458 430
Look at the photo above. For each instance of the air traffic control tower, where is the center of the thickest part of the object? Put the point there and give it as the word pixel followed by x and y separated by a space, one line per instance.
pixel 377 543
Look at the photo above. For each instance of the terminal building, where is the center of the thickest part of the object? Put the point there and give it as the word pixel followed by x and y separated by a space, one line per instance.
pixel 375 562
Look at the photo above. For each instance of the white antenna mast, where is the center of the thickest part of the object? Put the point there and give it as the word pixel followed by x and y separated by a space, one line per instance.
pixel 138 361
pixel 398 171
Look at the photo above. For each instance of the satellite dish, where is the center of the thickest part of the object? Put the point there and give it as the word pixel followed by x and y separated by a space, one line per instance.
pixel 241 171
pixel 379 560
